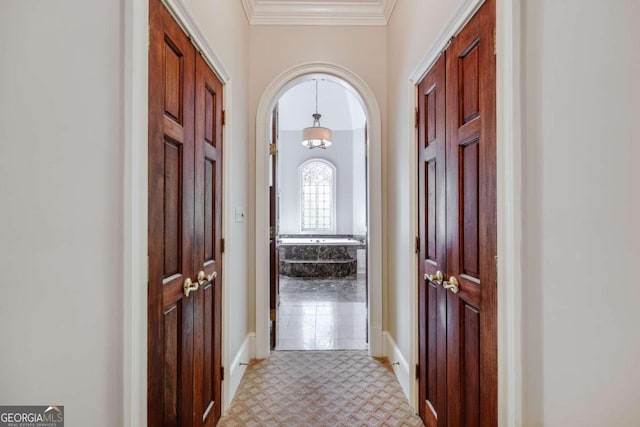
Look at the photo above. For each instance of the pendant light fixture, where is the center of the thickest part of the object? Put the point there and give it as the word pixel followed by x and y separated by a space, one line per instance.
pixel 316 136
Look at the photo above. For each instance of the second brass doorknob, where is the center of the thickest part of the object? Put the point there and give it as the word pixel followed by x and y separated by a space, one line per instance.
pixel 452 284
pixel 203 278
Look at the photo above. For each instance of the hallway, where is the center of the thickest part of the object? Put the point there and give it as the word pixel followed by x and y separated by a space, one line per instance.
pixel 319 388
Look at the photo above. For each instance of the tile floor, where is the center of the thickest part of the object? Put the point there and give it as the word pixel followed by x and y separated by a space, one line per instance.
pixel 322 314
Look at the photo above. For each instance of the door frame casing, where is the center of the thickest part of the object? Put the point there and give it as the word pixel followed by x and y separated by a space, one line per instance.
pixel 509 178
pixel 135 81
pixel 270 96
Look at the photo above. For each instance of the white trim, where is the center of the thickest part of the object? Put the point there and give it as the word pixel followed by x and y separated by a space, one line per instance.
pixel 413 230
pixel 135 117
pixel 334 181
pixel 508 191
pixel 135 110
pixel 509 181
pixel 461 16
pixel 185 19
pixel 236 370
pixel 227 234
pixel 318 12
pixel 402 369
pixel 270 96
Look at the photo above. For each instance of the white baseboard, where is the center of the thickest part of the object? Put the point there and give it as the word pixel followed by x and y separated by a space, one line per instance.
pixel 245 353
pixel 401 369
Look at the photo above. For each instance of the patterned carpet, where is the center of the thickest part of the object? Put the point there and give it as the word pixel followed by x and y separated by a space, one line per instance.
pixel 319 388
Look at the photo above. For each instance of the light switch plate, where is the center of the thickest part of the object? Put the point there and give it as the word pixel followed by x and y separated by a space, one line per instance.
pixel 240 214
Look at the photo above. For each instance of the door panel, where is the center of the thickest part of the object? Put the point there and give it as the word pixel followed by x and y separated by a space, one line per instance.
pixel 208 227
pixel 471 223
pixel 274 254
pixel 432 234
pixel 171 208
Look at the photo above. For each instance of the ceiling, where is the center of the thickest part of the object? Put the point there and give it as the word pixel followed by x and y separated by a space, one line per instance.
pixel 339 108
pixel 318 12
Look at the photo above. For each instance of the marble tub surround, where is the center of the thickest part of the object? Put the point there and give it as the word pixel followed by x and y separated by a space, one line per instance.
pixel 322 314
pixel 319 268
pixel 319 260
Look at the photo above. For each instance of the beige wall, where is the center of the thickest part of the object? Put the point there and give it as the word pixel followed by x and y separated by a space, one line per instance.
pixel 61 218
pixel 224 23
pixel 275 49
pixel 581 207
pixel 412 30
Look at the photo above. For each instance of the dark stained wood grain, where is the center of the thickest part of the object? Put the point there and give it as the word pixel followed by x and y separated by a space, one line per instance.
pixel 432 254
pixel 171 220
pixel 185 224
pixel 471 223
pixel 207 396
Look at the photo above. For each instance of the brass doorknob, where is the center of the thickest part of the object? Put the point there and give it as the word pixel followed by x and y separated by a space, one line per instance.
pixel 435 278
pixel 203 278
pixel 189 287
pixel 452 285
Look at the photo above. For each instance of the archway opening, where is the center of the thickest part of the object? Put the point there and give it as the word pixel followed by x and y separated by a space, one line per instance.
pixel 318 219
pixel 264 174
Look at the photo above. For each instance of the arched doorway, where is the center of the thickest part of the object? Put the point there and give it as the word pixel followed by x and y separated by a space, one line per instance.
pixel 365 96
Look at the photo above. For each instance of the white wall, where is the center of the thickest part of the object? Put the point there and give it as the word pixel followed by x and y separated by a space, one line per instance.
pixel 341 155
pixel 61 222
pixel 224 23
pixel 581 205
pixel 413 28
pixel 275 49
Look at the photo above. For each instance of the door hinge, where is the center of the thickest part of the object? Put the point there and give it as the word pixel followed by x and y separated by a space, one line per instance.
pixel 497 268
pixel 417 117
pixel 222 245
pixel 224 117
pixel 417 244
pixel 272 149
pixel 221 373
pixel 495 42
pixel 272 232
pixel 272 314
pixel 417 371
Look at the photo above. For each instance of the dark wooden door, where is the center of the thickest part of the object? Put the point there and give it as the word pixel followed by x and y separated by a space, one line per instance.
pixel 471 224
pixel 171 220
pixel 208 254
pixel 184 201
pixel 274 256
pixel 432 296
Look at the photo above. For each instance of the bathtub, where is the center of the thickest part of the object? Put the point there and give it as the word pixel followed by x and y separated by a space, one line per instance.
pixel 320 257
pixel 329 241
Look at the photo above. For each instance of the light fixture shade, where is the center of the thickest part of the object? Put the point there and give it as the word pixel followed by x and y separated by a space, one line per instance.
pixel 316 137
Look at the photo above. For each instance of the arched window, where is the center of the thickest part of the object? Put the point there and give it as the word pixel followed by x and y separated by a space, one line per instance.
pixel 317 178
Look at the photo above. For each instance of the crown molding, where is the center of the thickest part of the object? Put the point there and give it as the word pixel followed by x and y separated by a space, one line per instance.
pixel 278 12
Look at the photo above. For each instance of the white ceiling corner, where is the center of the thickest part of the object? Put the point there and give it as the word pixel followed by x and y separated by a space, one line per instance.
pixel 318 12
